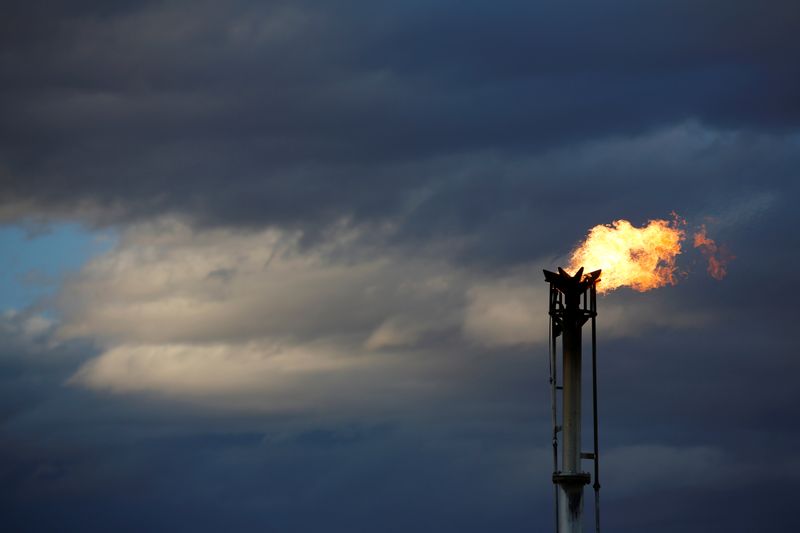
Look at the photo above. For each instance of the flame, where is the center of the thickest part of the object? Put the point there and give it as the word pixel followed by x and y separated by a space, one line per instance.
pixel 640 258
pixel 718 256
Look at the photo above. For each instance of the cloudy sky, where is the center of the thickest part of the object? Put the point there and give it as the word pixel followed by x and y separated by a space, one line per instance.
pixel 276 266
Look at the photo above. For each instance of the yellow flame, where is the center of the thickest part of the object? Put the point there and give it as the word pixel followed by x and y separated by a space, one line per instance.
pixel 640 258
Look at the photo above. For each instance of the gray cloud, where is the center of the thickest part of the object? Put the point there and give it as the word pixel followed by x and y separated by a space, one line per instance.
pixel 325 309
pixel 288 327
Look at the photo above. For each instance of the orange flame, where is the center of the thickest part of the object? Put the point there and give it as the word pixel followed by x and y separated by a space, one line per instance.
pixel 718 256
pixel 640 258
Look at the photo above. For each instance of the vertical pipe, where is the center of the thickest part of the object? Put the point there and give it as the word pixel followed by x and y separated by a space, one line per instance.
pixel 571 494
pixel 553 402
pixel 594 422
pixel 553 399
pixel 572 394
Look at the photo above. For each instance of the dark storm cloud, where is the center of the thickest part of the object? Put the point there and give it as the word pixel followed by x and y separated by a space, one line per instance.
pixel 685 418
pixel 70 462
pixel 486 137
pixel 688 414
pixel 296 113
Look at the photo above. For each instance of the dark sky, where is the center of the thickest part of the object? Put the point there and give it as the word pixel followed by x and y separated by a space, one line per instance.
pixel 276 266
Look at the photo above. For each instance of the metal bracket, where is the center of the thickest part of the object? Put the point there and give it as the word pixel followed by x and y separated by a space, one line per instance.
pixel 572 478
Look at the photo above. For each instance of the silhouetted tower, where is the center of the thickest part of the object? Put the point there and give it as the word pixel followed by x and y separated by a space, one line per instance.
pixel 573 302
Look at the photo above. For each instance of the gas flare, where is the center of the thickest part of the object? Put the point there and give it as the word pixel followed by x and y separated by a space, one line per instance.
pixel 640 258
pixel 718 256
